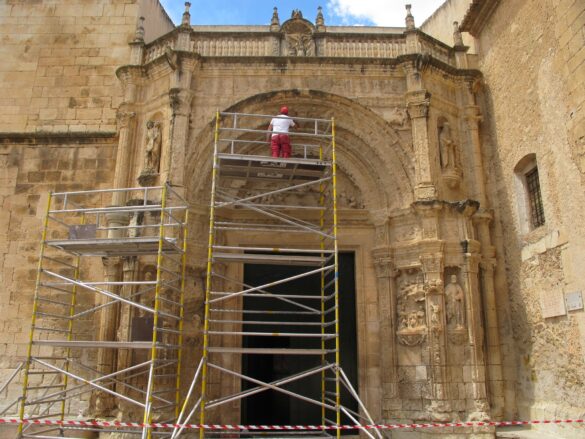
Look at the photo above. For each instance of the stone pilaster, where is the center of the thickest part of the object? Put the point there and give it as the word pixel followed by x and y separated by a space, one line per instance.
pixel 418 105
pixel 126 122
pixel 108 316
pixel 129 267
pixel 479 409
pixel 432 263
pixel 180 97
pixel 386 274
pixel 473 118
pixel 494 355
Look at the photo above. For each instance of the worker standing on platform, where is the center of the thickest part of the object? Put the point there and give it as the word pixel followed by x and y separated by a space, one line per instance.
pixel 280 141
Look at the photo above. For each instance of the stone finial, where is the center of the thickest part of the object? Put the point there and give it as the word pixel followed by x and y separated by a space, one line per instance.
pixel 186 21
pixel 275 21
pixel 457 37
pixel 139 33
pixel 409 18
pixel 320 20
pixel 296 13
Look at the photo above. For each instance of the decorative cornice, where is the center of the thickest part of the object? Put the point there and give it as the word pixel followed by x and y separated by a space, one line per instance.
pixel 477 16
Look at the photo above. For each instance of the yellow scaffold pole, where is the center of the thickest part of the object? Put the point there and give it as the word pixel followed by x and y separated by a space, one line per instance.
pixel 208 280
pixel 181 314
pixel 34 315
pixel 147 419
pixel 337 356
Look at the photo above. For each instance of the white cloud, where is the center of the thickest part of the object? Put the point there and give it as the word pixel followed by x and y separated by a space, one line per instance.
pixel 382 12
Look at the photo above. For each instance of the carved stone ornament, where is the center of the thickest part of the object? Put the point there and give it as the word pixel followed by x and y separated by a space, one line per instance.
pixel 412 327
pixel 298 36
pixel 457 336
pixel 398 118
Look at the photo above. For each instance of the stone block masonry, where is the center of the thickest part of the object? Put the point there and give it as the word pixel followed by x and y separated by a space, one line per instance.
pixel 31 166
pixel 58 63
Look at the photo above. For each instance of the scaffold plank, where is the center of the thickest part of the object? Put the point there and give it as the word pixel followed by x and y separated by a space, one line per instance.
pixel 108 247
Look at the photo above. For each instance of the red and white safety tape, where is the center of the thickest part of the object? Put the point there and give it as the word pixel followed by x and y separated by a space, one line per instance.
pixel 86 424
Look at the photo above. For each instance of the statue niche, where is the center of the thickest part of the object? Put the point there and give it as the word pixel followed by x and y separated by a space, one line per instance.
pixel 455 303
pixel 152 151
pixel 449 155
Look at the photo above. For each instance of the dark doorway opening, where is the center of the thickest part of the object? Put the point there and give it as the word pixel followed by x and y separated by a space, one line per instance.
pixel 270 406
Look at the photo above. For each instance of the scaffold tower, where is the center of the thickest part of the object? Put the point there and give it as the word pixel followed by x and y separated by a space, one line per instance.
pixel 112 259
pixel 278 320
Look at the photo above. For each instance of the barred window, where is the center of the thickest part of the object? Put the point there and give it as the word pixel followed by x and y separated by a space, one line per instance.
pixel 530 205
pixel 534 198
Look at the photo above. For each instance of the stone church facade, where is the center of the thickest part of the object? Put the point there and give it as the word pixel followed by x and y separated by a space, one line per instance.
pixel 463 259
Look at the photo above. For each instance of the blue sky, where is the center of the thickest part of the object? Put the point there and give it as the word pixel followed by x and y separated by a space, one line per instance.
pixel 336 12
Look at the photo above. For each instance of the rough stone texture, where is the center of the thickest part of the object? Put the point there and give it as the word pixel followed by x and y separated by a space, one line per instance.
pixel 59 59
pixel 402 103
pixel 531 55
pixel 32 165
pixel 437 25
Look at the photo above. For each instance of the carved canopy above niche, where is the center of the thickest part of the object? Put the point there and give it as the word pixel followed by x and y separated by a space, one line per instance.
pixel 298 36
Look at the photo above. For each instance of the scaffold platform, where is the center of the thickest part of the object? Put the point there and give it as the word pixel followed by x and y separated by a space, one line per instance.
pixel 251 198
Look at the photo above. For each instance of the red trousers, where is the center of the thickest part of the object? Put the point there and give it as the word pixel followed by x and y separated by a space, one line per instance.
pixel 280 145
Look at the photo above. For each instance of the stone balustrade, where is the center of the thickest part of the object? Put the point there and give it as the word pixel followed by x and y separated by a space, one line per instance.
pixel 339 45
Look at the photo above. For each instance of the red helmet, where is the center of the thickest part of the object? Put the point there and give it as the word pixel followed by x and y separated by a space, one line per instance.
pixel 283 110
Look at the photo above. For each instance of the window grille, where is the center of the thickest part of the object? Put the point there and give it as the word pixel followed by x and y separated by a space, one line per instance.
pixel 534 198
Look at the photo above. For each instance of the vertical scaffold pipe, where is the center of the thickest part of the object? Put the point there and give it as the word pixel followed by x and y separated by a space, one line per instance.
pixel 181 314
pixel 34 316
pixel 72 305
pixel 322 246
pixel 211 240
pixel 147 431
pixel 336 253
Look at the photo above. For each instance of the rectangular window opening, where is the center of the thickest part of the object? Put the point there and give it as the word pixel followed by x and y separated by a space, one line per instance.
pixel 534 198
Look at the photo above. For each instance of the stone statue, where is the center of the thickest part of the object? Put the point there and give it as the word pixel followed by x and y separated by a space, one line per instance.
pixel 455 295
pixel 448 149
pixel 152 150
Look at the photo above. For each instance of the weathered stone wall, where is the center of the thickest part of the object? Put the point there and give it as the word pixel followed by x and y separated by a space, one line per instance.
pixel 58 63
pixel 440 24
pixel 31 167
pixel 531 54
pixel 156 20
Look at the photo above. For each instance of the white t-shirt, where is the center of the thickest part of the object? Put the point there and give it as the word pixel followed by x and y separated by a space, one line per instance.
pixel 281 124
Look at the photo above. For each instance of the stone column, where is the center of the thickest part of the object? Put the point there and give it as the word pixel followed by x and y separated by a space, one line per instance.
pixel 477 389
pixel 494 356
pixel 108 318
pixel 124 154
pixel 130 265
pixel 417 104
pixel 180 97
pixel 431 258
pixel 432 263
pixel 386 276
pixel 473 118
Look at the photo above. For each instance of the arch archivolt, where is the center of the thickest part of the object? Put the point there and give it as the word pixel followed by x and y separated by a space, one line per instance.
pixel 370 153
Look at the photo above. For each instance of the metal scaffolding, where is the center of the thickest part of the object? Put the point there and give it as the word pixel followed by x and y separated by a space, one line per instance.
pixel 138 363
pixel 251 197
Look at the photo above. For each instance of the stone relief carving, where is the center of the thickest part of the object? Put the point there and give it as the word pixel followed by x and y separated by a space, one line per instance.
pixel 412 328
pixel 298 36
pixel 349 196
pixel 398 118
